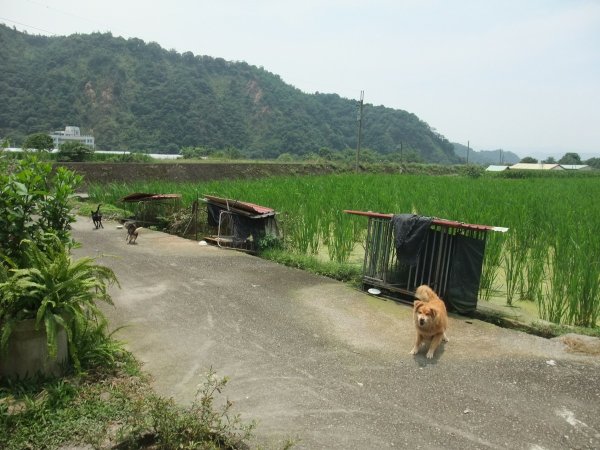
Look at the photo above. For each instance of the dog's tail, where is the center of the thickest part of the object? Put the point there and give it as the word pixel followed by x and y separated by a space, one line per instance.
pixel 425 293
pixel 98 208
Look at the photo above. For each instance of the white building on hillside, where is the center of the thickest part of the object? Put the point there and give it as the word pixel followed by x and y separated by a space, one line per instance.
pixel 71 134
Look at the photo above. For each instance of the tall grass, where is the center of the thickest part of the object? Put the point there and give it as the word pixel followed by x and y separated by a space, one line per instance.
pixel 549 255
pixel 488 286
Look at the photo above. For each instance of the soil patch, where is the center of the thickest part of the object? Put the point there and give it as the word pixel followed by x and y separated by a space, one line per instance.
pixel 189 172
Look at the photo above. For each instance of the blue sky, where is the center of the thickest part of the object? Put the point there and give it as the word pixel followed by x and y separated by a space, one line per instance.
pixel 523 76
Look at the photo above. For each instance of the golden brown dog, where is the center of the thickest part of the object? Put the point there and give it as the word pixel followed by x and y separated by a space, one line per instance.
pixel 431 320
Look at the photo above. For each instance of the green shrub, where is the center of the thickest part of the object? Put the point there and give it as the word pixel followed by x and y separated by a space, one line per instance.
pixel 55 290
pixel 74 151
pixel 33 201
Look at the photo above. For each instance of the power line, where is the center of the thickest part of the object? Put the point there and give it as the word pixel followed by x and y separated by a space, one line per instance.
pixel 75 16
pixel 28 26
pixel 64 13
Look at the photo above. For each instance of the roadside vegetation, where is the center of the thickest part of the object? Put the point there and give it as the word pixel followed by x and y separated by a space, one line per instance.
pixel 101 398
pixel 113 406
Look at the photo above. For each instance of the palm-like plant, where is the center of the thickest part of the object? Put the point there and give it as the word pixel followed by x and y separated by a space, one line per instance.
pixel 55 290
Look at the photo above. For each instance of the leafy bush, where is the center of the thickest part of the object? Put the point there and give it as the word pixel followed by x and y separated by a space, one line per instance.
pixel 38 278
pixel 53 289
pixel 39 141
pixel 270 241
pixel 195 152
pixel 74 151
pixel 33 201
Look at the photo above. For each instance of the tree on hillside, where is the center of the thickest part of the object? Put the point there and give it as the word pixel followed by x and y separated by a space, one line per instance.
pixel 549 160
pixel 593 162
pixel 39 141
pixel 570 158
pixel 529 160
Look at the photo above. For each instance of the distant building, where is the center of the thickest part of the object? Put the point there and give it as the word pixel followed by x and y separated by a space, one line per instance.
pixel 576 167
pixel 536 166
pixel 71 134
pixel 496 168
pixel 152 155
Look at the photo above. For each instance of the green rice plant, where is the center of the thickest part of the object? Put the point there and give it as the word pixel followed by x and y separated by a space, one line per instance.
pixel 571 294
pixel 534 270
pixel 513 262
pixel 491 265
pixel 342 241
pixel 298 234
pixel 551 299
pixel 583 303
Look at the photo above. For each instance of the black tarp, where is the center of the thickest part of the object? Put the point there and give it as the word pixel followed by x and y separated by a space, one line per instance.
pixel 465 274
pixel 410 233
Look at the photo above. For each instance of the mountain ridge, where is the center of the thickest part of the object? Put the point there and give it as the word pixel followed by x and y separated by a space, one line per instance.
pixel 134 95
pixel 484 157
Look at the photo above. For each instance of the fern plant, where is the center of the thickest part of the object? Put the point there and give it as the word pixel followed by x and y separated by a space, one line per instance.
pixel 55 290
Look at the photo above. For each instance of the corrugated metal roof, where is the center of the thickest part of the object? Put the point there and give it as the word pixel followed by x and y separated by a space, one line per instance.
pixel 436 221
pixel 496 168
pixel 146 197
pixel 244 207
pixel 536 166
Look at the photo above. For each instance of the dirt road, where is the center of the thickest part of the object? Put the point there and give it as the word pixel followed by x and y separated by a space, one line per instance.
pixel 314 360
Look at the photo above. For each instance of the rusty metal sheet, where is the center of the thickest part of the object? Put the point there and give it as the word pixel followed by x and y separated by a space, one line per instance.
pixel 147 197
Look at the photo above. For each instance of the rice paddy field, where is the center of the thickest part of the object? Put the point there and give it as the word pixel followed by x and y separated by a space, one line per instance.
pixel 550 256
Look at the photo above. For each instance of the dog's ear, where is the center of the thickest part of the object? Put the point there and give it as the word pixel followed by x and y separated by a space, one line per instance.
pixel 417 304
pixel 433 313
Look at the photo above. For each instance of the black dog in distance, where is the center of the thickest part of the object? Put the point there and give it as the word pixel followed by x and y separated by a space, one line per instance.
pixel 97 218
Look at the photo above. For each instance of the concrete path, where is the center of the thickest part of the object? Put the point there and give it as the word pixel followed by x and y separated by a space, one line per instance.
pixel 316 361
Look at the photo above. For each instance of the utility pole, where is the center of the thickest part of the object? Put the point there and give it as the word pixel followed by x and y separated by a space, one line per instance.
pixel 359 119
pixel 468 149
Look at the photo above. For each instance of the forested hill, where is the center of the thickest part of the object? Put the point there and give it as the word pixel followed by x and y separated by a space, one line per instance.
pixel 485 156
pixel 134 95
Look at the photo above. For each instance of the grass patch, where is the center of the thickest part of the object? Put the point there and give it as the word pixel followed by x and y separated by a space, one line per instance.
pixel 109 212
pixel 339 271
pixel 116 408
pixel 536 327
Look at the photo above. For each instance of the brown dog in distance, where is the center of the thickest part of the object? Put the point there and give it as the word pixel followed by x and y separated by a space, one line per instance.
pixel 132 232
pixel 431 320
